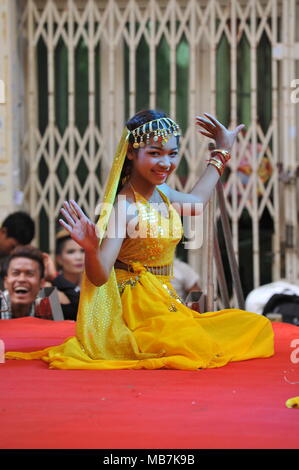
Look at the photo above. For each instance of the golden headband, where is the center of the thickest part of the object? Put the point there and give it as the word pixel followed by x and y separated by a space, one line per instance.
pixel 160 129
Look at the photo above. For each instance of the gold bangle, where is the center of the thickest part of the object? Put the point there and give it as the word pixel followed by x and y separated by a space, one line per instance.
pixel 218 165
pixel 216 168
pixel 217 162
pixel 225 153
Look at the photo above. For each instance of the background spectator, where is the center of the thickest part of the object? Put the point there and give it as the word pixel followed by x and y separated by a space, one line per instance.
pixel 70 262
pixel 17 229
pixel 24 277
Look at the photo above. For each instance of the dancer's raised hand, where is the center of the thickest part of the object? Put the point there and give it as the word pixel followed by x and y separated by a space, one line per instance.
pixel 79 226
pixel 210 127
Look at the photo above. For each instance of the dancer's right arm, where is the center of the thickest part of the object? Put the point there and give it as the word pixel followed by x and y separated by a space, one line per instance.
pixel 99 260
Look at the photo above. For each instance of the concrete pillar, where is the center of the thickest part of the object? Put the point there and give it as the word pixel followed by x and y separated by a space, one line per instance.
pixel 10 195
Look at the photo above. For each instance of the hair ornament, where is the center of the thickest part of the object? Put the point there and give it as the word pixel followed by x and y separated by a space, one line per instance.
pixel 160 129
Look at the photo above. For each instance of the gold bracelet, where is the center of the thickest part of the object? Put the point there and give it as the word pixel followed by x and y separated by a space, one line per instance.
pixel 225 153
pixel 217 164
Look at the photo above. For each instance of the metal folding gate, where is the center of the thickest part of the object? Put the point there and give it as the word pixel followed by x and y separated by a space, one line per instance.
pixel 68 156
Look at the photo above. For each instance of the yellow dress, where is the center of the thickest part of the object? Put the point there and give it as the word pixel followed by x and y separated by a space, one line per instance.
pixel 145 325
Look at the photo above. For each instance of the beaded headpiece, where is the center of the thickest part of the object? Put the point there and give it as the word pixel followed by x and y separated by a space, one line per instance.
pixel 161 129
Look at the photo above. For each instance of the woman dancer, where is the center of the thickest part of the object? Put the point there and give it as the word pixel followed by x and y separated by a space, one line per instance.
pixel 129 315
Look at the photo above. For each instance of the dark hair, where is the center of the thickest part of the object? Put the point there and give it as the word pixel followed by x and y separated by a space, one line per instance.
pixel 20 226
pixel 60 242
pixel 142 117
pixel 27 251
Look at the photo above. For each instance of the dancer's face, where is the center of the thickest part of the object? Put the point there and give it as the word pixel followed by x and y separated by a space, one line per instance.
pixel 156 161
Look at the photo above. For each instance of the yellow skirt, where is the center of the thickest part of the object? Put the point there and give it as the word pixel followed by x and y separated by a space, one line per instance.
pixel 169 334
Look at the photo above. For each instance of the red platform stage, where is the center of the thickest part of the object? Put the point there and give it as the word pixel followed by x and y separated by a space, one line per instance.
pixel 239 406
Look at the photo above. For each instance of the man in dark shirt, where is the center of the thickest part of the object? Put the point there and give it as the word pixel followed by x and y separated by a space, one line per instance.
pixel 17 229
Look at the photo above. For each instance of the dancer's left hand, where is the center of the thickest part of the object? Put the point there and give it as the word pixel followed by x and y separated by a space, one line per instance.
pixel 210 127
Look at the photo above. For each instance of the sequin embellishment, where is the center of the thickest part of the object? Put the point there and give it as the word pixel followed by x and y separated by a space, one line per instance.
pixel 129 282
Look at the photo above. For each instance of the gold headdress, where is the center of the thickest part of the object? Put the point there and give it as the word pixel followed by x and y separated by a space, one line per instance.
pixel 63 233
pixel 160 129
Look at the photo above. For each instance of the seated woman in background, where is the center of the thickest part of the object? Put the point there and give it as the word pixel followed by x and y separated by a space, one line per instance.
pixel 70 263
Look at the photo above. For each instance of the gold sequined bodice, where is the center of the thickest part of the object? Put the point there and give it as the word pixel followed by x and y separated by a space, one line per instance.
pixel 158 235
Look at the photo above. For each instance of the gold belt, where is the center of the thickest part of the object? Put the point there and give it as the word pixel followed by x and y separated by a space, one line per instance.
pixel 165 270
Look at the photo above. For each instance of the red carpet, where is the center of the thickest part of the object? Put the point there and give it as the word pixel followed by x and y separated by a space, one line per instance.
pixel 239 406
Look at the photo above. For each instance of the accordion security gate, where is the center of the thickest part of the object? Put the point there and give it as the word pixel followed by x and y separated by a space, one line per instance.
pixel 89 65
